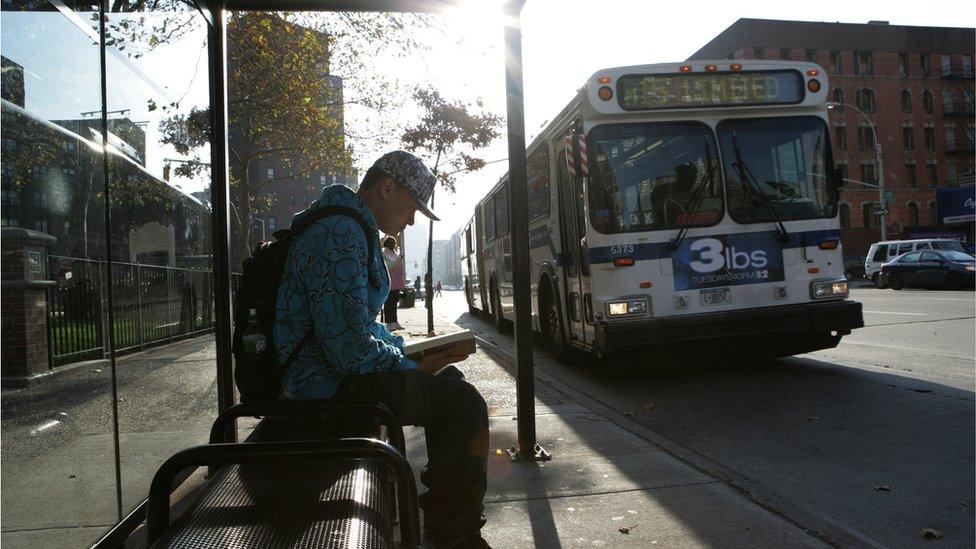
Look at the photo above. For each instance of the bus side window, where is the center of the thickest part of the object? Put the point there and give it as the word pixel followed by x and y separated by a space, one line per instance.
pixel 881 253
pixel 538 174
pixel 501 211
pixel 489 206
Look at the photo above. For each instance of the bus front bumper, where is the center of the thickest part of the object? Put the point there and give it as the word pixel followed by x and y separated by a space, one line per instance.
pixel 813 319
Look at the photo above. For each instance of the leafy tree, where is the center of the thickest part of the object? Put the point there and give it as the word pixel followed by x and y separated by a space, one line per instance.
pixel 282 106
pixel 451 133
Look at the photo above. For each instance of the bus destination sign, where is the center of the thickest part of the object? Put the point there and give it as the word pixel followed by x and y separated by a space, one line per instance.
pixel 682 90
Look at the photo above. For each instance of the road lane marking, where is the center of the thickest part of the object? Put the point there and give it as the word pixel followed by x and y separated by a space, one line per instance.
pixel 920 350
pixel 894 313
pixel 951 299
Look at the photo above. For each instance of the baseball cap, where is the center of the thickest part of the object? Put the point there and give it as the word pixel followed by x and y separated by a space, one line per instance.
pixel 408 170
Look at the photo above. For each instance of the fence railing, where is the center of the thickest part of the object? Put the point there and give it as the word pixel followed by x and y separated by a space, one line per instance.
pixel 152 304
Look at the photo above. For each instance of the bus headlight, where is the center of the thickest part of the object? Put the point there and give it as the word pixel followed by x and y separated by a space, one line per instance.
pixel 627 307
pixel 829 288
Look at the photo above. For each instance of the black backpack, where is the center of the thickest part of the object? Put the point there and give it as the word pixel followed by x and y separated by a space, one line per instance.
pixel 258 375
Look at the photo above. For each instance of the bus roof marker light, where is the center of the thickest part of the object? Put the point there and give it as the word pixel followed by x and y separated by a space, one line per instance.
pixel 605 93
pixel 604 80
pixel 830 244
pixel 711 68
pixel 813 270
pixel 623 261
pixel 645 285
pixel 735 67
pixel 813 72
pixel 813 85
pixel 685 68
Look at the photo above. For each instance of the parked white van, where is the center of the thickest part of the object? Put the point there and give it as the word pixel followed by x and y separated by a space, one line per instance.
pixel 883 252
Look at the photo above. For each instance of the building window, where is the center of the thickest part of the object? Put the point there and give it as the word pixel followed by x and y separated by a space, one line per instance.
pixel 10 198
pixel 835 62
pixel 334 180
pixel 967 66
pixel 840 136
pixel 929 139
pixel 903 64
pixel 784 53
pixel 757 53
pixel 906 101
pixel 933 172
pixel 272 224
pixel 865 138
pixel 842 170
pixel 38 199
pixel 933 214
pixel 845 216
pixel 952 175
pixel 839 99
pixel 908 138
pixel 865 99
pixel 946 65
pixel 926 61
pixel 867 215
pixel 40 225
pixel 863 63
pixel 928 105
pixel 811 56
pixel 910 178
pixel 948 102
pixel 867 173
pixel 270 173
pixel 913 214
pixel 321 179
pixel 950 138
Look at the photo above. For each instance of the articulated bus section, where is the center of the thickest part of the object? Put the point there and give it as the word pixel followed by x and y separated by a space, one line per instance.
pixel 674 205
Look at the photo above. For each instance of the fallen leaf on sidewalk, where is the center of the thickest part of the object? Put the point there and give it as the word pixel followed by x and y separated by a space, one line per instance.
pixel 930 533
pixel 97 370
pixel 882 487
pixel 72 476
pixel 628 413
pixel 626 529
pixel 649 406
pixel 812 418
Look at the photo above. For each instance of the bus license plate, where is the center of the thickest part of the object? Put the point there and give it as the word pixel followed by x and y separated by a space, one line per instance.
pixel 715 296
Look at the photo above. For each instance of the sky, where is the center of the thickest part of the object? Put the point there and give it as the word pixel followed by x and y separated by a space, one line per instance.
pixel 566 41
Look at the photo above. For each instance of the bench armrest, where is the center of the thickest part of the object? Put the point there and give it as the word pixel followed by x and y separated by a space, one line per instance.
pixel 157 520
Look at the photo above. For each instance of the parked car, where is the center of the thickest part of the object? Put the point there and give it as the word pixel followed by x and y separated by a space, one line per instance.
pixel 888 250
pixel 853 267
pixel 949 268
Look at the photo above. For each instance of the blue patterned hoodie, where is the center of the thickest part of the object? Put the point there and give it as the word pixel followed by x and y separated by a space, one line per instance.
pixel 325 285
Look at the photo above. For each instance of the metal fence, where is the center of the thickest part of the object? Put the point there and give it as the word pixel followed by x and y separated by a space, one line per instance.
pixel 153 304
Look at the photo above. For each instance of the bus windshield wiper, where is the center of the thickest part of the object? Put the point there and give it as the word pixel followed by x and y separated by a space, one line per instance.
pixel 748 180
pixel 697 199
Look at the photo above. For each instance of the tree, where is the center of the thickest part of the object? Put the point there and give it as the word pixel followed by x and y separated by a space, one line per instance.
pixel 282 106
pixel 449 132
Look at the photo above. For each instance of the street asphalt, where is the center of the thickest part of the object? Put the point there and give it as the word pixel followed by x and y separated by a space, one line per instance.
pixel 873 440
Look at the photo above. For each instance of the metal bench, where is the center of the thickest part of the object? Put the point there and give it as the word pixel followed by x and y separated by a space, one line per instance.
pixel 293 483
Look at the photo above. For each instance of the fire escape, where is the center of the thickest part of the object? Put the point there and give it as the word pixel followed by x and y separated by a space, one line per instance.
pixel 959 111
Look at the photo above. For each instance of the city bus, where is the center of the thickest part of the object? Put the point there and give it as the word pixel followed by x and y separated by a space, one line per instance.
pixel 676 206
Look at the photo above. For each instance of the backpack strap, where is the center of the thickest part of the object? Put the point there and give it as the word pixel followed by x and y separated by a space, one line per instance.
pixel 297 229
pixel 328 211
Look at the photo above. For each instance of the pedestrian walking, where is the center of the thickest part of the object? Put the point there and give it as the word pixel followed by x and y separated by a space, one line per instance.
pixel 438 288
pixel 395 266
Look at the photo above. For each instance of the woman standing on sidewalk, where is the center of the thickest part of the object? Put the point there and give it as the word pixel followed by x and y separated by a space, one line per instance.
pixel 395 265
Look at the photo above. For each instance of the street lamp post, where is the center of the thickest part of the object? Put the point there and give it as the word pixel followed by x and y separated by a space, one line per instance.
pixel 879 165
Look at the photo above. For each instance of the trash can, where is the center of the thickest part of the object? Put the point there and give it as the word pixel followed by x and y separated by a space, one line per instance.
pixel 407 298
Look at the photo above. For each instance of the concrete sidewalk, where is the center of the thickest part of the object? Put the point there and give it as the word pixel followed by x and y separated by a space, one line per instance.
pixel 605 486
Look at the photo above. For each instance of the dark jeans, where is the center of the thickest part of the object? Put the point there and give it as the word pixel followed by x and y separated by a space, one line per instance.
pixel 390 307
pixel 455 420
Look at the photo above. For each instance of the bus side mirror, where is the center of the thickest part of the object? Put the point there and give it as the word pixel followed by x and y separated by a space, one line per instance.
pixel 576 163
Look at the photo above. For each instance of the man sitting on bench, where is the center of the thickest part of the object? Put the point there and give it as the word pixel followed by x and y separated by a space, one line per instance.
pixel 329 298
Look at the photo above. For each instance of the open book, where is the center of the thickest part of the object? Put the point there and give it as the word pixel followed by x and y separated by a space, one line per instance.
pixel 462 342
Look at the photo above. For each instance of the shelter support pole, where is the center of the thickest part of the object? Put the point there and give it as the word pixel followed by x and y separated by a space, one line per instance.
pixel 527 448
pixel 220 189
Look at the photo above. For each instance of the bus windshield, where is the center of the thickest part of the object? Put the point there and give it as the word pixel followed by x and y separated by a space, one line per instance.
pixel 653 176
pixel 780 171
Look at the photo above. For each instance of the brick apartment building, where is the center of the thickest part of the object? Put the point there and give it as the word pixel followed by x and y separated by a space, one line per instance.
pixel 915 84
